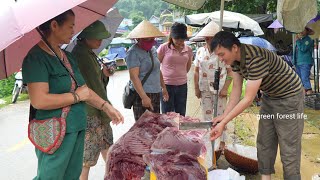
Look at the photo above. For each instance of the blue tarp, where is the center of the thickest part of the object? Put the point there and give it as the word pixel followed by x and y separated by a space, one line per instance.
pixel 111 56
pixel 121 51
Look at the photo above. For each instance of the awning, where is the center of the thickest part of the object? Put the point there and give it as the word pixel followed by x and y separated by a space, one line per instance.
pixel 230 20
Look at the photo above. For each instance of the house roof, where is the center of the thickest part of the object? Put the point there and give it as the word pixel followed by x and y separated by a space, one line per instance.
pixel 154 19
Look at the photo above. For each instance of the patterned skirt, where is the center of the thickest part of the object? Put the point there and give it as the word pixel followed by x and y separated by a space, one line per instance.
pixel 98 137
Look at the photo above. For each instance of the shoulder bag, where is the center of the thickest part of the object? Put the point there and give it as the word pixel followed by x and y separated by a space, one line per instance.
pixel 129 95
pixel 47 135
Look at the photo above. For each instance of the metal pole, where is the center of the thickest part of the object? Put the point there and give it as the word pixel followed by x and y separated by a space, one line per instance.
pixel 317 56
pixel 216 89
pixel 314 67
pixel 221 14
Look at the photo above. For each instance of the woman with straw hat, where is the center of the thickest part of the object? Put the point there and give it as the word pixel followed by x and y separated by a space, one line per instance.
pixel 98 136
pixel 204 75
pixel 176 59
pixel 141 58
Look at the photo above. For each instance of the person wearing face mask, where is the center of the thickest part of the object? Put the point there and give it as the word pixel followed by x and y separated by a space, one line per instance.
pixel 175 58
pixel 141 57
pixel 98 136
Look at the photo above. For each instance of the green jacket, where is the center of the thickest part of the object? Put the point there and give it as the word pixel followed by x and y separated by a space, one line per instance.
pixel 304 50
pixel 93 75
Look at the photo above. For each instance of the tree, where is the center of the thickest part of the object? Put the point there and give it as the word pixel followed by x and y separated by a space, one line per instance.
pixel 130 8
pixel 137 17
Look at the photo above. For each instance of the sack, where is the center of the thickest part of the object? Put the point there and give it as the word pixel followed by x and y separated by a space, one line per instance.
pixel 47 135
pixel 128 96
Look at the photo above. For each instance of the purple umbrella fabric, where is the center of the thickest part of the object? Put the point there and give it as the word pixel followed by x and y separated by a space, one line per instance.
pixel 276 24
pixel 314 19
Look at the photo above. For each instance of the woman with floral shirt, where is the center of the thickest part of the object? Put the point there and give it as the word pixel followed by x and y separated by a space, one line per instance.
pixel 205 66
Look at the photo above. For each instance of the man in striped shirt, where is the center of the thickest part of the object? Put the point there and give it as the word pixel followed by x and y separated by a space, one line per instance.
pixel 281 122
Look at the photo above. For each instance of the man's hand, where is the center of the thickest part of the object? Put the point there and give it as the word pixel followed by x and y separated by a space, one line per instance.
pixel 218 119
pixel 216 131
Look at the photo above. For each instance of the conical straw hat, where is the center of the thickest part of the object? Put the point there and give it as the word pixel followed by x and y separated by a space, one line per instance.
pixel 145 30
pixel 209 30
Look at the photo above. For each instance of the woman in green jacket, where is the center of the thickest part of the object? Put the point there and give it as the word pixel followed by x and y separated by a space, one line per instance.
pixel 49 90
pixel 98 136
pixel 303 59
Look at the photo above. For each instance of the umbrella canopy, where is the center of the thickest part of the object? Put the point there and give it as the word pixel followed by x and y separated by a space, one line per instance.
pixel 275 25
pixel 295 14
pixel 315 26
pixel 112 21
pixel 19 20
pixel 230 20
pixel 257 41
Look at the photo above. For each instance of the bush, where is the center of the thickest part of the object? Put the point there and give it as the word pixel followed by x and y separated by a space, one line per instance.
pixel 6 86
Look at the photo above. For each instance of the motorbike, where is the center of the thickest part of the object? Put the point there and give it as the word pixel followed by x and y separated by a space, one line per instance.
pixel 18 87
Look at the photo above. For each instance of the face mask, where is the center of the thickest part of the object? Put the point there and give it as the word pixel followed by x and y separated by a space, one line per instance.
pixel 146 45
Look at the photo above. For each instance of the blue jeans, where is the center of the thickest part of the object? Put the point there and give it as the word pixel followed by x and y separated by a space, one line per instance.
pixel 303 72
pixel 177 99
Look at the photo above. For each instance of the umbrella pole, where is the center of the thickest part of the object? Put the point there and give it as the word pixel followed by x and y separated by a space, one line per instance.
pixel 216 88
pixel 221 14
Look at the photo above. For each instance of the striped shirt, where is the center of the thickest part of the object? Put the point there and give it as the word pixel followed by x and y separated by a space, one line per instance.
pixel 278 78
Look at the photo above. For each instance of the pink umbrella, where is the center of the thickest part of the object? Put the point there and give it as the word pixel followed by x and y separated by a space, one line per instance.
pixel 19 20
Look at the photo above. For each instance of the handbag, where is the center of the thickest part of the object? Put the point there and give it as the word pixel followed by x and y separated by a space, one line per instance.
pixel 47 135
pixel 129 95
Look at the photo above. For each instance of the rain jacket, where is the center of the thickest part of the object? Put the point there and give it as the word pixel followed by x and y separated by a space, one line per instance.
pixel 304 49
pixel 93 75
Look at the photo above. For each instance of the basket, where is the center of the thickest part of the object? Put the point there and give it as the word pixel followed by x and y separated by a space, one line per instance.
pixel 313 101
pixel 235 155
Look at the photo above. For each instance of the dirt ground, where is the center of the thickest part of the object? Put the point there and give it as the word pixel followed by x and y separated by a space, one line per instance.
pixel 246 131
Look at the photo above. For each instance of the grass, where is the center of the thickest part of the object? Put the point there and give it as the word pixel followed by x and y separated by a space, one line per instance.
pixel 313 117
pixel 244 132
pixel 7 99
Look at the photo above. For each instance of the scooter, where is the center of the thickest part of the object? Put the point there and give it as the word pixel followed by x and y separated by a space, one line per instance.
pixel 18 86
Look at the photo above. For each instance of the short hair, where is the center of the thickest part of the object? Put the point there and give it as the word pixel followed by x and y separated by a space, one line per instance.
pixel 224 39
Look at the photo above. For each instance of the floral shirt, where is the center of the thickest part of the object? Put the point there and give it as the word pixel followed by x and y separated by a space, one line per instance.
pixel 207 65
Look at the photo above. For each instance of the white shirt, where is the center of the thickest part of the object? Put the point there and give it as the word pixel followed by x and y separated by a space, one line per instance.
pixel 207 65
